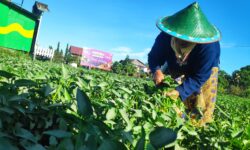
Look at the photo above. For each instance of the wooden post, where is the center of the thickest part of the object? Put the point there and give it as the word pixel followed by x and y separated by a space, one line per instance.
pixel 34 53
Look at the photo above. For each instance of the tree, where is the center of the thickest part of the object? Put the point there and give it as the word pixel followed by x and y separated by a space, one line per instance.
pixel 237 84
pixel 224 80
pixel 242 77
pixel 66 51
pixel 117 67
pixel 61 52
pixel 124 67
pixel 241 80
pixel 58 54
pixel 68 58
pixel 58 47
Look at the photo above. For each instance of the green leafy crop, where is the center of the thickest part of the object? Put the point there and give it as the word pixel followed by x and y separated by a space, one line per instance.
pixel 50 106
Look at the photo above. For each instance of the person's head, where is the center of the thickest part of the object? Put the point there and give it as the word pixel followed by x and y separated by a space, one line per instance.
pixel 189 24
pixel 183 46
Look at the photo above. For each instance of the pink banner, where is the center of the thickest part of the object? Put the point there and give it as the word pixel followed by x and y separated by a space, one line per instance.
pixel 96 58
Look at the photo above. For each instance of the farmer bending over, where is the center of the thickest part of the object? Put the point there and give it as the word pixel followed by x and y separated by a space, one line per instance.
pixel 188 45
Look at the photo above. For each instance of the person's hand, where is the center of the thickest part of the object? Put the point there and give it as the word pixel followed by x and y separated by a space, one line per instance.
pixel 174 94
pixel 158 77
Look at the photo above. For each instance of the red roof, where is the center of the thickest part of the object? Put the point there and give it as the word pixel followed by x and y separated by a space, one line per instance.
pixel 76 50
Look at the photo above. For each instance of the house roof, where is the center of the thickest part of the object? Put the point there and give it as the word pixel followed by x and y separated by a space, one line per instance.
pixel 76 50
pixel 138 63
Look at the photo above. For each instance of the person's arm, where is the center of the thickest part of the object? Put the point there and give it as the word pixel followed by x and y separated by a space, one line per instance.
pixel 157 55
pixel 207 57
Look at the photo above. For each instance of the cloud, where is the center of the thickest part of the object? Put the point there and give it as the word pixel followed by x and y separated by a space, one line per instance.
pixel 227 45
pixel 147 50
pixel 120 53
pixel 121 49
pixel 234 45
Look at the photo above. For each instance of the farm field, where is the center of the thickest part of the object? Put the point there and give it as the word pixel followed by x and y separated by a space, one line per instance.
pixel 44 105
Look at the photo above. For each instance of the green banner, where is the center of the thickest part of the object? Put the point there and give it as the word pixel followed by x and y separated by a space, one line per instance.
pixel 16 29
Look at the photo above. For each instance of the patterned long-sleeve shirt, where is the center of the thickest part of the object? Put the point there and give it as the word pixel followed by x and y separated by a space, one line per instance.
pixel 197 70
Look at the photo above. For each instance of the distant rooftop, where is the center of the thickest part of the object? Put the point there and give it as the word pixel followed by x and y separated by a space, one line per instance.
pixel 76 50
pixel 138 63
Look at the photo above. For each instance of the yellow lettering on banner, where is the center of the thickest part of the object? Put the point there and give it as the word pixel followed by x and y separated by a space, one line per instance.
pixel 18 28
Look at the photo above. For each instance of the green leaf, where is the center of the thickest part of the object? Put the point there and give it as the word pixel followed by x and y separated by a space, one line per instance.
pixel 81 83
pixel 19 98
pixel 83 103
pixel 47 90
pixel 108 144
pixel 5 144
pixel 62 124
pixel 190 131
pixel 6 74
pixel 56 105
pixel 79 143
pixel 25 82
pixel 116 93
pixel 40 77
pixel 138 113
pixel 236 142
pixel 2 134
pixel 126 119
pixel 92 83
pixel 52 140
pixel 237 133
pixel 140 145
pixel 48 121
pixel 127 136
pixel 88 77
pixel 23 133
pixel 248 131
pixel 137 129
pixel 58 133
pixel 111 114
pixel 150 147
pixel 102 84
pixel 246 144
pixel 7 110
pixel 66 144
pixel 91 143
pixel 66 95
pixel 162 136
pixel 35 147
pixel 65 73
pixel 126 90
pixel 154 114
pixel 20 109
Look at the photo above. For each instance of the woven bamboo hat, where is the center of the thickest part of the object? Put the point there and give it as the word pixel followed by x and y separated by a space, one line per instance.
pixel 190 24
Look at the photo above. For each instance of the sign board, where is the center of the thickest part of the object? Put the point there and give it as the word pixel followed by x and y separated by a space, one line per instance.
pixel 96 59
pixel 17 27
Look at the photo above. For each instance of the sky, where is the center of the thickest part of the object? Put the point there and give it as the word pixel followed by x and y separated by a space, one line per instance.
pixel 127 27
